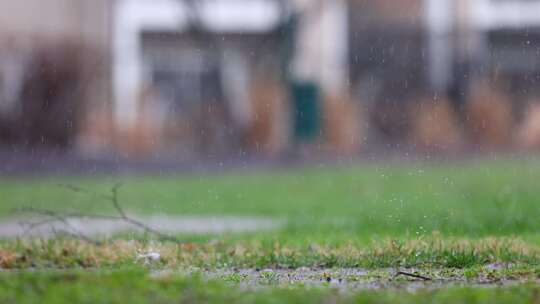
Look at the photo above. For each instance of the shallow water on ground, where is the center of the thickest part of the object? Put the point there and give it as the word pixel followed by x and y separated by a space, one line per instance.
pixel 352 279
pixel 167 224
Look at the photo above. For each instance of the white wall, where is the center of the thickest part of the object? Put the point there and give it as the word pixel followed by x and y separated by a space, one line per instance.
pixel 132 17
pixel 321 53
pixel 489 14
pixel 46 19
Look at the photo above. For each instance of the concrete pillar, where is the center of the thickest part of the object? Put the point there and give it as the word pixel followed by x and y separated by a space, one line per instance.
pixel 131 17
pixel 439 16
pixel 321 57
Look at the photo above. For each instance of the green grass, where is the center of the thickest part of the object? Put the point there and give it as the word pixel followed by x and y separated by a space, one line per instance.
pixel 464 198
pixel 444 219
pixel 263 252
pixel 137 286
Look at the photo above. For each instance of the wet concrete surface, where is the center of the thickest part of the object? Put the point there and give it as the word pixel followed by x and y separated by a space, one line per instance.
pixel 12 228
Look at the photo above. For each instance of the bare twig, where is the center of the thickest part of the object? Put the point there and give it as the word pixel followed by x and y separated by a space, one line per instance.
pixel 50 213
pixel 75 234
pixel 86 191
pixel 114 200
pixel 412 275
pixel 63 218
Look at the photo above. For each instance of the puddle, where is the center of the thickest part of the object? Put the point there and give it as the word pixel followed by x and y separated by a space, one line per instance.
pixel 341 279
pixel 166 224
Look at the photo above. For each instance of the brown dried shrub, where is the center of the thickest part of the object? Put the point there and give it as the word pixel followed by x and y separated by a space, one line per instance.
pixel 489 117
pixel 267 132
pixel 390 118
pixel 96 133
pixel 56 80
pixel 434 125
pixel 529 131
pixel 342 121
pixel 53 95
pixel 145 135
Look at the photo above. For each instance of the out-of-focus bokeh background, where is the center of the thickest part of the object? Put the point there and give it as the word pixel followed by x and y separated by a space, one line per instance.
pixel 218 80
pixel 273 146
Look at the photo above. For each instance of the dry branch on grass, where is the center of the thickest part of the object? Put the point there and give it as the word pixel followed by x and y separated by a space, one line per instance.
pixel 412 275
pixel 50 217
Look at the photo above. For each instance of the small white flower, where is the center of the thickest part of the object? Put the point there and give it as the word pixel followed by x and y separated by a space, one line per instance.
pixel 149 257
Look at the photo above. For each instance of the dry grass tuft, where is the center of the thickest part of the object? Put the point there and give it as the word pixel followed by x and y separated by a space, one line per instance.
pixel 7 259
pixel 431 251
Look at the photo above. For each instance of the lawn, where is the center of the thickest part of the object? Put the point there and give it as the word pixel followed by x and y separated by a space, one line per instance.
pixel 459 223
pixel 473 198
pixel 136 286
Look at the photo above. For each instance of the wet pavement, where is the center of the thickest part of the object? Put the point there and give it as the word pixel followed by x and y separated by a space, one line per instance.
pixel 12 228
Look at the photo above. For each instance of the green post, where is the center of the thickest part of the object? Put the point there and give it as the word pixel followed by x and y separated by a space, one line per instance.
pixel 304 96
pixel 306 111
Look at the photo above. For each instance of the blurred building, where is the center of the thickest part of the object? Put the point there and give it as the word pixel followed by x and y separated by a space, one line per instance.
pixel 229 77
pixel 48 51
pixel 203 77
pixel 484 38
pixel 402 52
pixel 167 76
